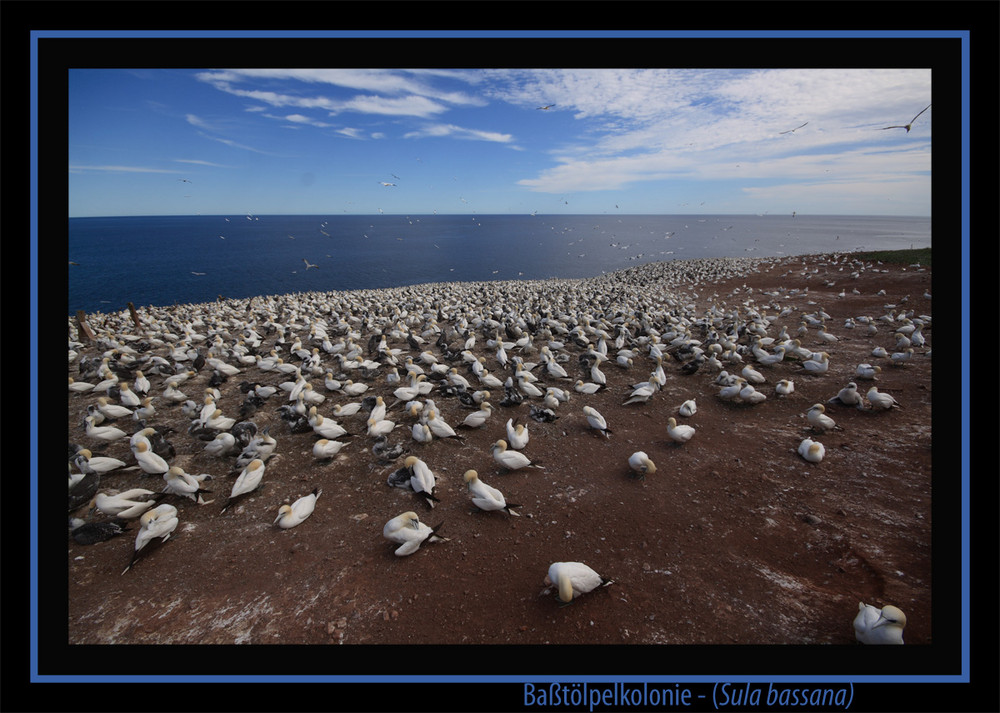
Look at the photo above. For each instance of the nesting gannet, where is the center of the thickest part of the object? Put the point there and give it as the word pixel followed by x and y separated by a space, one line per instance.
pixel 511 460
pixel 812 451
pixel 160 522
pixel 295 514
pixel 439 427
pixel 486 497
pixel 785 387
pixel 640 394
pixel 819 364
pixel 80 387
pixel 407 531
pixel 129 504
pixel 881 401
pixel 224 444
pixel 87 462
pixel 325 427
pixel 378 428
pixel 879 626
pixel 586 387
pixel 752 375
pixel 110 410
pixel 103 433
pixel 867 372
pixel 148 461
pixel 750 395
pixel 900 358
pixel 325 449
pixel 819 420
pixel 848 396
pixel 479 417
pixel 186 485
pixel 248 481
pixel 641 464
pixel 517 434
pixel 422 479
pixel 596 421
pixel 573 579
pixel 679 433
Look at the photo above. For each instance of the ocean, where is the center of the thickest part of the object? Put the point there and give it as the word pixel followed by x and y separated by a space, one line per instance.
pixel 165 260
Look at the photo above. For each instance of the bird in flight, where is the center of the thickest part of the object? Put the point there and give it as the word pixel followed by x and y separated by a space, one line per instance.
pixel 906 126
pixel 387 184
pixel 546 107
pixel 792 130
pixel 184 180
pixel 309 264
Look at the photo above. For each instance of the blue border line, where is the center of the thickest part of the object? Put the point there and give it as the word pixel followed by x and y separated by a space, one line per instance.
pixel 35 677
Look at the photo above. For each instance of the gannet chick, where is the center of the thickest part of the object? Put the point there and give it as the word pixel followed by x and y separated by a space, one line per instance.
pixel 90 533
pixel 511 460
pixel 295 514
pixel 688 408
pixel 881 401
pixel 812 451
pixel 148 461
pixel 407 531
pixel 819 420
pixel 596 421
pixel 186 485
pixel 867 372
pixel 486 497
pixel 785 387
pixel 422 479
pixel 679 433
pixel 879 626
pixel 641 464
pixel 848 396
pixel 517 435
pixel 160 522
pixel 573 579
pixel 248 481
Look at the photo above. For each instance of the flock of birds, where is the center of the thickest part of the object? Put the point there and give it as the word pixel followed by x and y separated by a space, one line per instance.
pixel 405 361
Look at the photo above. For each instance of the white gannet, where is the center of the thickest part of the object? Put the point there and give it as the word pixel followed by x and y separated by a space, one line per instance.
pixel 248 481
pixel 517 434
pixel 479 417
pixel 752 375
pixel 80 387
pixel 324 448
pixel 103 433
pixel 596 421
pixel 422 479
pixel 819 364
pixel 785 387
pixel 573 579
pixel 224 444
pixel 421 433
pixel 110 410
pixel 679 433
pixel 900 358
pixel 129 504
pixel 295 514
pixel 750 395
pixel 439 427
pixel 87 462
pixel 378 428
pixel 325 427
pixel 511 460
pixel 812 451
pixel 688 408
pixel 407 531
pixel 148 461
pixel 641 464
pixel 867 372
pixel 881 401
pixel 349 409
pixel 486 497
pixel 586 387
pixel 819 420
pixel 186 485
pixel 160 522
pixel 848 396
pixel 879 626
pixel 127 397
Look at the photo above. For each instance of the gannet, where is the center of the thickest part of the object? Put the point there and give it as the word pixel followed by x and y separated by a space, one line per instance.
pixel 378 428
pixel 103 433
pixel 641 464
pixel 126 505
pixel 80 387
pixel 224 444
pixel 752 375
pixel 688 408
pixel 148 461
pixel 906 126
pixel 596 421
pixel 248 481
pixel 486 497
pixel 324 448
pixel 785 387
pixel 325 427
pixel 679 433
pixel 819 420
pixel 881 401
pixel 295 514
pixel 517 434
pixel 422 479
pixel 848 396
pixel 573 579
pixel 879 626
pixel 511 460
pixel 867 372
pixel 407 531
pixel 186 485
pixel 90 533
pixel 750 395
pixel 812 451
pixel 439 427
pixel 586 388
pixel 87 462
pixel 160 522
pixel 900 358
pixel 819 364
pixel 479 417
pixel 640 394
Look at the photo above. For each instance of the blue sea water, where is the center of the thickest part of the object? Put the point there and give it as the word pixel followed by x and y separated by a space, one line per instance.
pixel 164 260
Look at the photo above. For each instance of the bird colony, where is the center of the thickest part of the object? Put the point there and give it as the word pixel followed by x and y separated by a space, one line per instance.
pixel 262 410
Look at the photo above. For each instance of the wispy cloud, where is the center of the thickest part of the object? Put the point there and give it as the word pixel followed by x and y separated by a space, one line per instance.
pixel 199 162
pixel 78 168
pixel 442 130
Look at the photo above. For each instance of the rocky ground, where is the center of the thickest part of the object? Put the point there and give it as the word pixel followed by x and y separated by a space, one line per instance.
pixel 735 539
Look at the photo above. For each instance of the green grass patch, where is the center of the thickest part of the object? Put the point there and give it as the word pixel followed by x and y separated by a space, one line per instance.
pixel 906 257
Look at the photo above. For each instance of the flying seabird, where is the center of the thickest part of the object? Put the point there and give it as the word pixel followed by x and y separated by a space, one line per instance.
pixel 792 130
pixel 908 125
pixel 309 264
pixel 546 107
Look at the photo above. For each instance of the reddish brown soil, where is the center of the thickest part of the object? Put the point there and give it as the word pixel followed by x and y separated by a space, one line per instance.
pixel 734 539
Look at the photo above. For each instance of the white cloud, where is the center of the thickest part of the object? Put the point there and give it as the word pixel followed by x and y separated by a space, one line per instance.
pixel 442 130
pixel 77 168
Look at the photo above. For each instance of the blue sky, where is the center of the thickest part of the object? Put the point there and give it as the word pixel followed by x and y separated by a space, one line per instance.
pixel 650 141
